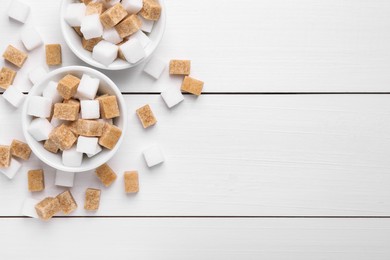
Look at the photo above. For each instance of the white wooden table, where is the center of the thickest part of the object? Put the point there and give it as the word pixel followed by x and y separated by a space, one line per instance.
pixel 285 155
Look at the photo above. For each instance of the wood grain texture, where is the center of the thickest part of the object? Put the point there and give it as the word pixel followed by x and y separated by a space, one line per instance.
pixel 250 46
pixel 248 155
pixel 193 239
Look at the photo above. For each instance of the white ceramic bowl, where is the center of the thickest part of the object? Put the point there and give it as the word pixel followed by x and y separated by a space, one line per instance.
pixel 106 87
pixel 74 41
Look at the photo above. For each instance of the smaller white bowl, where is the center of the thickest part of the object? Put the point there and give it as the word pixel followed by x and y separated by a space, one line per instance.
pixel 107 86
pixel 74 41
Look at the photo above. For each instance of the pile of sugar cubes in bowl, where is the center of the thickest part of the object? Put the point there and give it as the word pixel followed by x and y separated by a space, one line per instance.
pixel 113 30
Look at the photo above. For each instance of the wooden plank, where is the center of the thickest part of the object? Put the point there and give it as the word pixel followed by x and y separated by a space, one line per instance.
pixel 194 239
pixel 234 155
pixel 253 46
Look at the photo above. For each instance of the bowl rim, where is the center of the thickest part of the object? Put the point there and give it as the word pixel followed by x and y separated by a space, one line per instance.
pixel 121 104
pixel 98 65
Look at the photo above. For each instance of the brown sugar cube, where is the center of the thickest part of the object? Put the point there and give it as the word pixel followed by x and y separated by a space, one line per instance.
pixel 36 180
pixel 15 56
pixel 95 8
pixel 192 86
pixel 5 156
pixel 20 149
pixel 120 53
pixel 110 136
pixel 47 208
pixel 53 54
pixel 91 43
pixel 92 199
pixel 180 67
pixel 67 87
pixel 131 182
pixel 63 137
pixel 86 2
pixel 66 111
pixel 151 10
pixel 89 128
pixel 7 77
pixel 67 202
pixel 50 146
pixel 77 29
pixel 106 175
pixel 128 26
pixel 112 16
pixel 145 114
pixel 108 107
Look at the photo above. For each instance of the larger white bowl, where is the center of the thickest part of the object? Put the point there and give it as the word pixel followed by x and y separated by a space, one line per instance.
pixel 74 41
pixel 107 86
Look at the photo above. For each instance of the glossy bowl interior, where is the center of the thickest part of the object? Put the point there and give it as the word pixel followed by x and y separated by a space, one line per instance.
pixel 107 86
pixel 73 40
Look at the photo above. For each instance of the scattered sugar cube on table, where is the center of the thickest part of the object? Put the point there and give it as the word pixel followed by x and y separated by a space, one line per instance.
pixel 91 27
pixel 92 199
pixel 13 96
pixel 113 16
pixel 47 208
pixel 146 116
pixel 172 97
pixel 131 182
pixel 72 158
pixel 105 174
pixel 51 92
pixel 28 208
pixel 19 11
pixel 111 35
pixel 40 129
pixel 12 170
pixel 66 111
pixel 20 150
pixel 105 52
pixel 86 144
pixel 36 180
pixel 98 149
pixel 64 179
pixel 133 50
pixel 192 86
pixel 155 67
pixel 151 10
pixel 108 107
pixel 7 77
pixel 63 137
pixel 128 26
pixel 67 87
pixel 132 6
pixel 142 38
pixel 180 67
pixel 110 137
pixel 5 156
pixel 153 156
pixel 37 74
pixel 15 56
pixel 67 202
pixel 39 106
pixel 146 25
pixel 88 87
pixel 75 13
pixel 90 109
pixel 31 38
pixel 53 54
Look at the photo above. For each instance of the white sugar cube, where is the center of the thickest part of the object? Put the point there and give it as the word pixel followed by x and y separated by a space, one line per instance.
pixel 132 6
pixel 90 109
pixel 97 150
pixel 153 156
pixel 75 14
pixel 87 144
pixel 105 52
pixel 155 67
pixel 133 50
pixel 112 35
pixel 88 87
pixel 18 11
pixel 64 179
pixel 12 170
pixel 14 96
pixel 146 25
pixel 72 158
pixel 51 92
pixel 40 129
pixel 56 122
pixel 31 38
pixel 28 208
pixel 39 106
pixel 37 74
pixel 172 97
pixel 91 27
pixel 142 38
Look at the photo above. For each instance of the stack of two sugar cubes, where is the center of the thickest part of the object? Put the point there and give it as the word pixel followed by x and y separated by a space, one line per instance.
pixel 112 28
pixel 69 117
